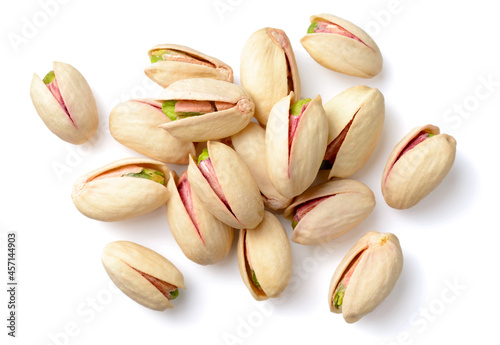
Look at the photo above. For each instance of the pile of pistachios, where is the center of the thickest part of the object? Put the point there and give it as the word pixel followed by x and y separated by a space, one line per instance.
pixel 237 167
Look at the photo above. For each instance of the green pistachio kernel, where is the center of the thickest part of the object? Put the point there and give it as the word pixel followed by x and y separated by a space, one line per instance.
pixel 149 174
pixel 168 108
pixel 255 281
pixel 430 135
pixel 338 299
pixel 157 55
pixel 174 294
pixel 49 78
pixel 203 156
pixel 296 107
pixel 312 27
pixel 294 224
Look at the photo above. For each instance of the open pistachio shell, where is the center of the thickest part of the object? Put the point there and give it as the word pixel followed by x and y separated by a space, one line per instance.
pixel 349 50
pixel 341 206
pixel 292 172
pixel 250 144
pixel 368 273
pixel 135 124
pixel 142 274
pixel 202 237
pixel 265 258
pixel 78 122
pixel 355 120
pixel 268 70
pixel 214 125
pixel 417 165
pixel 117 197
pixel 196 65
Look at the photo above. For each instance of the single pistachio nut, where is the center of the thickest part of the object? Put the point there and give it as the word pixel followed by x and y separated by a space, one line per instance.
pixel 173 62
pixel 268 70
pixel 135 124
pixel 123 189
pixel 329 210
pixel 365 276
pixel 296 139
pixel 341 46
pixel 142 274
pixel 203 109
pixel 65 103
pixel 250 144
pixel 265 258
pixel 355 120
pixel 225 186
pixel 417 165
pixel 202 238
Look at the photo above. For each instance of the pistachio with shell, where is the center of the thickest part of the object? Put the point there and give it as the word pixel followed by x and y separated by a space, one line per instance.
pixel 203 109
pixel 329 210
pixel 268 70
pixel 265 258
pixel 135 124
pixel 121 190
pixel 296 139
pixel 173 62
pixel 202 238
pixel 142 274
pixel 365 276
pixel 417 165
pixel 65 103
pixel 341 46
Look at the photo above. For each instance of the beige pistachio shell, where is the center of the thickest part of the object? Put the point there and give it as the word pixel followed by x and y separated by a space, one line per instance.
pixel 265 250
pixel 122 261
pixel 341 53
pixel 238 186
pixel 78 99
pixel 350 202
pixel 135 124
pixel 250 144
pixel 291 174
pixel 118 198
pixel 216 125
pixel 379 267
pixel 409 178
pixel 205 242
pixel 365 107
pixel 165 73
pixel 268 70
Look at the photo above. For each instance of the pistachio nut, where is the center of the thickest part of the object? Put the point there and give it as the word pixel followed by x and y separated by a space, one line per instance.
pixel 173 62
pixel 135 124
pixel 268 70
pixel 417 165
pixel 65 103
pixel 250 144
pixel 341 46
pixel 355 121
pixel 123 189
pixel 202 237
pixel 225 186
pixel 329 210
pixel 142 274
pixel 265 258
pixel 365 276
pixel 296 139
pixel 204 109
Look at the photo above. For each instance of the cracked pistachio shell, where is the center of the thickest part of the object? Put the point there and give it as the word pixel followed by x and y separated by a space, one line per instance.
pixel 410 177
pixel 378 269
pixel 268 70
pixel 78 99
pixel 118 198
pixel 211 126
pixel 250 144
pixel 265 250
pixel 349 203
pixel 205 239
pixel 341 53
pixel 292 173
pixel 365 107
pixel 135 124
pixel 237 184
pixel 165 73
pixel 122 261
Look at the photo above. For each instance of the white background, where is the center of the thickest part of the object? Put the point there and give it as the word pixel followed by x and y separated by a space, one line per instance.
pixel 438 57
